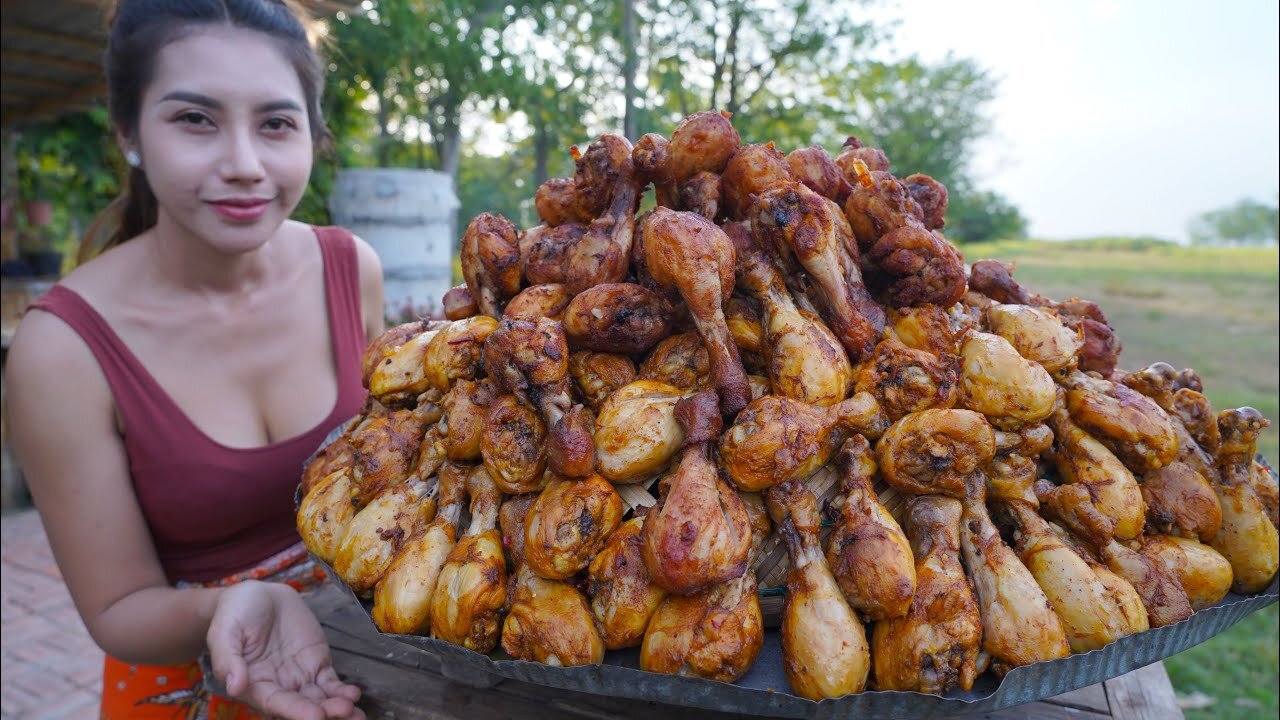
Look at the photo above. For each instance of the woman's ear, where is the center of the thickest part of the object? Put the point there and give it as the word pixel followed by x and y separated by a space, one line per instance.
pixel 128 149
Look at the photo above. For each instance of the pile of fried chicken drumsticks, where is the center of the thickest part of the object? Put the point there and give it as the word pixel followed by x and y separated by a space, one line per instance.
pixel 773 316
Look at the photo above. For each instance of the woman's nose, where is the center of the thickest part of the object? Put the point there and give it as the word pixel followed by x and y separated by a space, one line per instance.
pixel 242 160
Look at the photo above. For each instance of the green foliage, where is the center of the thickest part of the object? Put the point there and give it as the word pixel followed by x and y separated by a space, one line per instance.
pixel 1248 222
pixel 983 215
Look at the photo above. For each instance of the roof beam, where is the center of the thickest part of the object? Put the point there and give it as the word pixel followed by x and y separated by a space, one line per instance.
pixel 51 61
pixel 56 38
pixel 35 82
pixel 52 105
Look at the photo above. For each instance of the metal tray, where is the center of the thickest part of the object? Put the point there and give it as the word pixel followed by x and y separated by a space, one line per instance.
pixel 764 689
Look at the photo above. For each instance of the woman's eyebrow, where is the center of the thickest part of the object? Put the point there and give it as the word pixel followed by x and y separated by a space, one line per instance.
pixel 211 103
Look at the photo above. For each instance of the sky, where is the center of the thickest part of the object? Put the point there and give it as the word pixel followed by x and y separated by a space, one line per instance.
pixel 1115 117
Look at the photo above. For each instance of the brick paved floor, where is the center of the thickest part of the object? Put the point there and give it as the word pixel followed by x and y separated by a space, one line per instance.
pixel 49 667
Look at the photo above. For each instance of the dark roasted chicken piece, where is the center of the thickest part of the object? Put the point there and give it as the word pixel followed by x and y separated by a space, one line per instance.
pixel 691 255
pixel 714 634
pixel 867 551
pixel 931 195
pixel 800 226
pixel 544 251
pixel 878 203
pixel 472 586
pixel 556 202
pixel 815 168
pixel 853 149
pixel 337 455
pixel 607 186
pixel 751 172
pixel 1181 502
pixel 456 351
pixel 458 303
pixel 934 647
pixel 513 445
pixel 905 380
pixel 568 525
pixel 530 359
pixel 462 422
pixel 701 194
pixel 616 318
pixel 1130 424
pixel 701 534
pixel 490 255
pixel 777 439
pixel 384 450
pixel 599 375
pixel 824 644
pixel 681 361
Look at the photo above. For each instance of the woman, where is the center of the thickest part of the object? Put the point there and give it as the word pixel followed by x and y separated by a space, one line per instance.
pixel 167 392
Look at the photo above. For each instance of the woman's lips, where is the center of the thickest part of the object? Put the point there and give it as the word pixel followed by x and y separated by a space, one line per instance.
pixel 241 210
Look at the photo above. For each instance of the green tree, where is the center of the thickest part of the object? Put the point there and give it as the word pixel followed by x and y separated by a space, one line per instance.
pixel 983 215
pixel 1248 222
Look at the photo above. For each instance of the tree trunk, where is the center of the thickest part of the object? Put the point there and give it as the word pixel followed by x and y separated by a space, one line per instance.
pixel 541 153
pixel 384 136
pixel 628 69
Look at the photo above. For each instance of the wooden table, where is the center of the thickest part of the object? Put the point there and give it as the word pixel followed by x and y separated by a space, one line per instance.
pixel 403 683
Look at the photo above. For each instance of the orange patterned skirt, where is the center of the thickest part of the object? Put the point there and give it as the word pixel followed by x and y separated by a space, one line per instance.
pixel 178 692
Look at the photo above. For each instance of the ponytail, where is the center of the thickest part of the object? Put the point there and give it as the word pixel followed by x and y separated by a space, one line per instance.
pixel 132 213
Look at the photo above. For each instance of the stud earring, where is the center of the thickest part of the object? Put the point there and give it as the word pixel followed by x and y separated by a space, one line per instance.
pixel 133 158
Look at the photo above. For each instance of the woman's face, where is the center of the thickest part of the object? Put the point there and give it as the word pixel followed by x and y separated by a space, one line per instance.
pixel 224 138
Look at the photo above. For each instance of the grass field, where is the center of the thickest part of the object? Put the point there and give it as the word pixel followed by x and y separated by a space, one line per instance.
pixel 1215 310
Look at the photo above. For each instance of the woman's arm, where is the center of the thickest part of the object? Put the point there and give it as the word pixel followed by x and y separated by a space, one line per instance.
pixel 73 458
pixel 371 298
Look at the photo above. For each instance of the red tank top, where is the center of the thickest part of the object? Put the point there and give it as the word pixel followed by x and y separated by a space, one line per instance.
pixel 214 510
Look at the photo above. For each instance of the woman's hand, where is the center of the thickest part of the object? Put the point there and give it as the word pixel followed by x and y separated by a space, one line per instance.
pixel 268 649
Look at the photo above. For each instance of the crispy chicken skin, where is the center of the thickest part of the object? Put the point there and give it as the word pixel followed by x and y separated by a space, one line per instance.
pixel 935 451
pixel 607 185
pixel 1181 502
pixel 599 375
pixel 544 251
pixel 905 380
pixel 680 360
pixel 556 201
pixel 1038 334
pixel 375 533
pixel 623 594
pixel 456 351
pixel 815 168
pixel 458 303
pixel 1110 487
pixel 324 512
pixel 549 622
pixel 1001 384
pixel 1130 424
pixel 490 257
pixel 714 634
pixel 923 327
pixel 878 204
pixel 384 449
pixel 751 172
pixel 472 585
pixel 1201 571
pixel 568 524
pixel 636 432
pixel 513 445
pixel 548 300
pixel 934 647
pixel 1247 538
pixel 931 196
pixel 616 318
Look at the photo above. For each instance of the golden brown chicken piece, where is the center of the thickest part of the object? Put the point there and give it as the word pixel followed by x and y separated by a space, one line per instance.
pixel 905 380
pixel 1101 345
pixel 815 168
pixel 701 534
pixel 513 445
pixel 456 351
pixel 388 342
pixel 1181 502
pixel 462 424
pixel 1159 381
pixel 715 634
pixel 743 316
pixel 1010 477
pixel 402 598
pixel 999 383
pixel 337 455
pixel 854 149
pixel 599 375
pixel 384 451
pixel 1196 413
pixel 867 551
pixel 568 525
pixel 878 202
pixel 623 594
pixel 608 188
pixel 804 360
pixel 1111 487
pixel 548 300
pixel 935 451
pixel 800 226
pixel 636 431
pixel 530 359
pixel 511 519
pixel 1131 425
pixel 324 512
pixel 751 172
pixel 1038 334
pixel 544 251
pixel 1201 571
pixel 557 203
pixel 777 439
pixel 1247 538
pixel 472 586
pixel 1091 612
pixel 702 142
pixel 458 303
pixel 550 623
pixel 1264 486
pixel 490 256
pixel 617 318
pixel 931 196
pixel 824 645
pixel 376 533
pixel 1164 599
pixel 916 266
pixel 681 361
pixel 701 194
pixel 651 158
pixel 1019 625
pixel 401 375
pixel 691 255
pixel 934 647
pixel 923 327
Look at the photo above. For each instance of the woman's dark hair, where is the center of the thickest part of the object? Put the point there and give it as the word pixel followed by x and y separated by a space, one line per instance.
pixel 139 29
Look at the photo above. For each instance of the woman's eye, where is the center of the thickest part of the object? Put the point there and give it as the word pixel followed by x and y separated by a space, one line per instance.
pixel 193 118
pixel 279 124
